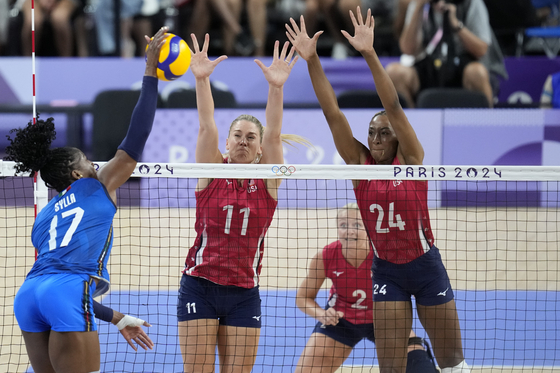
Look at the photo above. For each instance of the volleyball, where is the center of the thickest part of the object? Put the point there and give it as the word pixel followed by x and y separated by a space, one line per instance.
pixel 174 58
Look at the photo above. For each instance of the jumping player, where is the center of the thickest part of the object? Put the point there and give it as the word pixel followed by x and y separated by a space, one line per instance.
pixel 73 235
pixel 348 317
pixel 219 302
pixel 406 262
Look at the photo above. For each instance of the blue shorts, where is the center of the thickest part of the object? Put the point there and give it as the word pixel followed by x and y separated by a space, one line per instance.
pixel 231 305
pixel 346 333
pixel 58 302
pixel 425 278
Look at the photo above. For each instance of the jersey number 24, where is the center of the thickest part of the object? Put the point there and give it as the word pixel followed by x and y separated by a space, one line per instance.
pixel 393 220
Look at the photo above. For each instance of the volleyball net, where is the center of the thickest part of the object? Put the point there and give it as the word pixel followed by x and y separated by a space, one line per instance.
pixel 497 227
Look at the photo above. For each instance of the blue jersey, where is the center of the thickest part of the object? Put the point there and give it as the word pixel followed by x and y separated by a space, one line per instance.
pixel 74 233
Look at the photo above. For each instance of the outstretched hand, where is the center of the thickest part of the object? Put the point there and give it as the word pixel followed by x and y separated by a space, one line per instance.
pixel 131 329
pixel 363 37
pixel 304 45
pixel 154 47
pixel 201 66
pixel 279 71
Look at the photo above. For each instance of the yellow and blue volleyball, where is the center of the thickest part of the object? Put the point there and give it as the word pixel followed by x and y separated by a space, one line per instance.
pixel 174 58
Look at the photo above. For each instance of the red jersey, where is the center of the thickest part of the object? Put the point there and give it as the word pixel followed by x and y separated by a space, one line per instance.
pixel 351 291
pixel 395 214
pixel 231 223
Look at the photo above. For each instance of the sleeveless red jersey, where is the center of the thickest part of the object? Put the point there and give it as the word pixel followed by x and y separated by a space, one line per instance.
pixel 231 223
pixel 351 292
pixel 395 214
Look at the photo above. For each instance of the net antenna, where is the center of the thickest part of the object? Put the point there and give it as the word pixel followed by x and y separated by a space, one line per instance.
pixel 41 194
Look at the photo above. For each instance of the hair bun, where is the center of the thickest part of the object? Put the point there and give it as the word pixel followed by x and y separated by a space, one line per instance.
pixel 30 147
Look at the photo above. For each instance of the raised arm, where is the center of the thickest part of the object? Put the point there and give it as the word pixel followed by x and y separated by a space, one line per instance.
pixel 348 147
pixel 307 292
pixel 276 75
pixel 410 150
pixel 207 149
pixel 119 169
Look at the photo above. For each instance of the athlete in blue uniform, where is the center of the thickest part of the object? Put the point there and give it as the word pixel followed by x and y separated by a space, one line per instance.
pixel 73 236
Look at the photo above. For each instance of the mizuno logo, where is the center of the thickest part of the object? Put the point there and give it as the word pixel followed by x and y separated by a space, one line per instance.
pixel 257 318
pixel 337 273
pixel 443 293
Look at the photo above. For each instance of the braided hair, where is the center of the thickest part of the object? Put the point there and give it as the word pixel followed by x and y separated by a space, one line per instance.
pixel 30 149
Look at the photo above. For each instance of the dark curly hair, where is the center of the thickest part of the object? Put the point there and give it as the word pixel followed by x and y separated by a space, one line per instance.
pixel 30 149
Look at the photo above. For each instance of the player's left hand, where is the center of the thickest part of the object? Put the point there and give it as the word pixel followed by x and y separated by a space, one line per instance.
pixel 279 71
pixel 131 329
pixel 363 37
pixel 201 66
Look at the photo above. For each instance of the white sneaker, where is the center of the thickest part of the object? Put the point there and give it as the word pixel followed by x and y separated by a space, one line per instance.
pixel 339 51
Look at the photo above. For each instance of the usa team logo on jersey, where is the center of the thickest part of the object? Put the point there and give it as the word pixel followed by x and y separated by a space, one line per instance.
pixel 252 186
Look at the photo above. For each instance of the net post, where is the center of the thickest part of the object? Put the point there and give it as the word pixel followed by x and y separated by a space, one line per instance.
pixel 40 193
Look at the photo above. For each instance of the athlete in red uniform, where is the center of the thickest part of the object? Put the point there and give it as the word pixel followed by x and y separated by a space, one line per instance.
pixel 397 221
pixel 394 212
pixel 348 317
pixel 219 302
pixel 231 222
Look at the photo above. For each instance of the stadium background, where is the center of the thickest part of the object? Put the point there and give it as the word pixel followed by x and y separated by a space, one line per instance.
pixel 450 137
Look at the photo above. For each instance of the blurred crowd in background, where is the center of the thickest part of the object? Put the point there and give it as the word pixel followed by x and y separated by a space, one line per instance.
pixel 441 43
pixel 85 28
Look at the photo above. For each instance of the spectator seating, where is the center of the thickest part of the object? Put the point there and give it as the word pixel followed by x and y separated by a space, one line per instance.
pixel 185 98
pixel 363 98
pixel 438 98
pixel 111 111
pixel 548 38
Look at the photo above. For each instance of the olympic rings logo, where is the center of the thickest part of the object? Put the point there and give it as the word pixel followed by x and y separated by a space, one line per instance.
pixel 283 170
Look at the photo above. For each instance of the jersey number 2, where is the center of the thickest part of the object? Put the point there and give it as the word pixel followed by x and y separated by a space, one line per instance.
pixel 245 211
pixel 78 213
pixel 362 296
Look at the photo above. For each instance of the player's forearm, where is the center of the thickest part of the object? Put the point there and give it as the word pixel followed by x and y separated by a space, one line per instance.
pixel 204 102
pixel 142 119
pixel 322 87
pixel 117 316
pixel 309 307
pixel 103 312
pixel 383 83
pixel 274 111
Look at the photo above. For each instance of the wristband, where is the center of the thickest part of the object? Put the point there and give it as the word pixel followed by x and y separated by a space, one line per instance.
pixel 102 312
pixel 129 321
